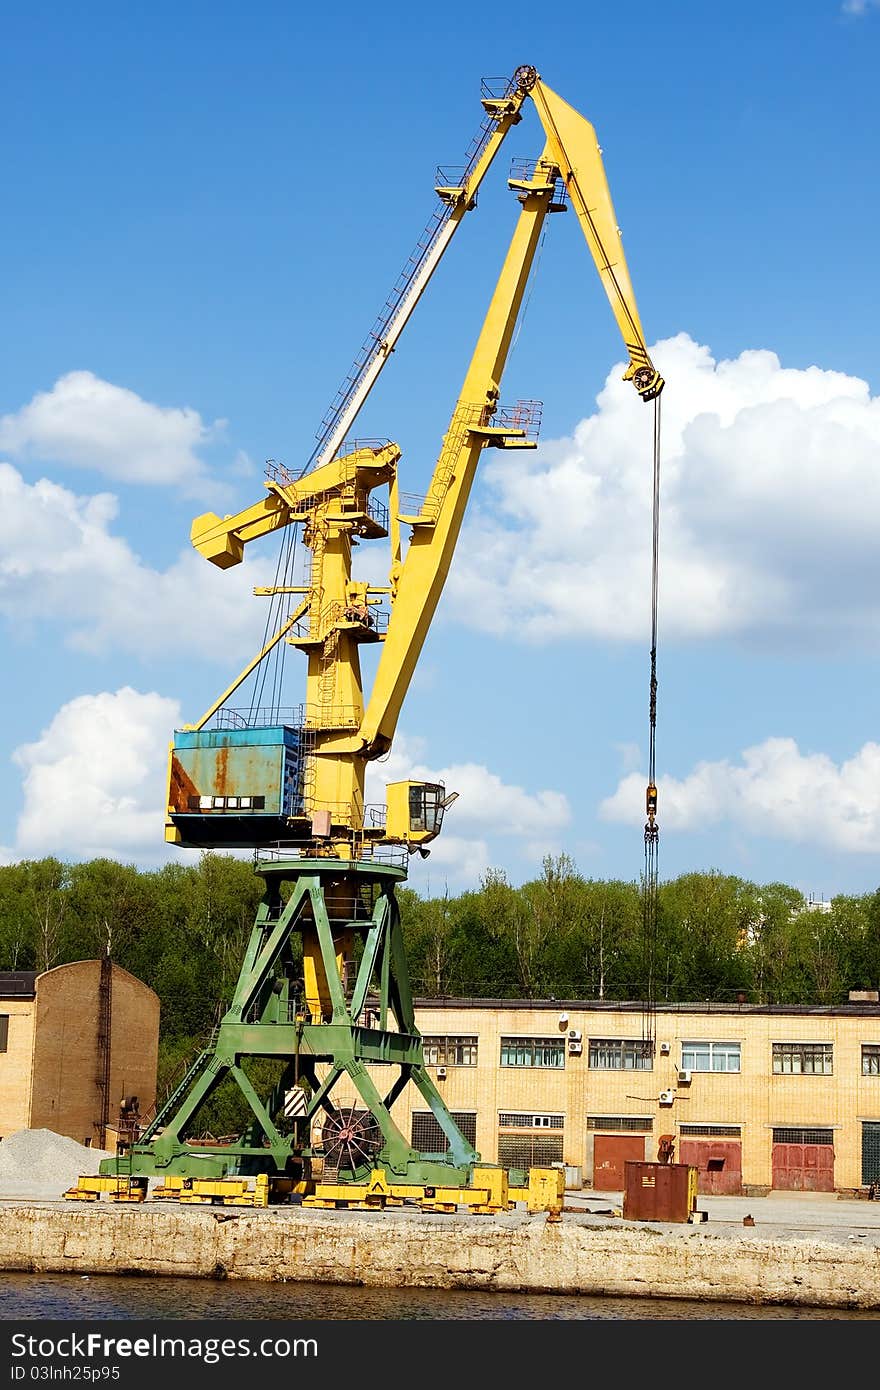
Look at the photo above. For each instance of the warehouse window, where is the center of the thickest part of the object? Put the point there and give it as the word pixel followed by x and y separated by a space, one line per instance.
pixel 4 1032
pixel 522 1151
pixel 621 1054
pixel 709 1131
pixel 450 1051
pixel 532 1052
pixel 529 1150
pixel 621 1123
pixel 802 1059
pixel 870 1059
pixel 803 1136
pixel 516 1119
pixel 870 1152
pixel 710 1056
pixel 428 1137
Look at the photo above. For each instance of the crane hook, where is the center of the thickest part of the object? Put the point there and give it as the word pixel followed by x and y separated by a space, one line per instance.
pixel 651 830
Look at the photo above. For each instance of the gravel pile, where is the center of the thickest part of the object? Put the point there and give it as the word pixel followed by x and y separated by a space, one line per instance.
pixel 39 1163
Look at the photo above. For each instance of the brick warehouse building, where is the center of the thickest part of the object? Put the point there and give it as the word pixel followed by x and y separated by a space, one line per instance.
pixel 77 1045
pixel 757 1097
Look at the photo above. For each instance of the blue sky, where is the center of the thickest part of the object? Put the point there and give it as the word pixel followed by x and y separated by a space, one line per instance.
pixel 205 209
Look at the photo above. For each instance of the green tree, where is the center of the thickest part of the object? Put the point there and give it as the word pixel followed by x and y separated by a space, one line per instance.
pixel 107 908
pixel 704 921
pixel 428 926
pixel 510 913
pixel 45 884
pixel 600 953
pixel 18 946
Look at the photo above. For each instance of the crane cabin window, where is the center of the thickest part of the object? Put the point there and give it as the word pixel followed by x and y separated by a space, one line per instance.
pixel 425 807
pixel 532 1052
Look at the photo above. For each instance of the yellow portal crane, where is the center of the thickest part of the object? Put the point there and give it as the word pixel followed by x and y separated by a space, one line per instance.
pixel 323 992
pixel 311 791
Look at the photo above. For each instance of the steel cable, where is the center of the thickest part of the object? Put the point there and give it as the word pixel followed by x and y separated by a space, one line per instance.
pixel 652 830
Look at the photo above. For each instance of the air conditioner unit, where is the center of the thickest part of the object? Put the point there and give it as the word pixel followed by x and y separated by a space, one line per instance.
pixel 666 1097
pixel 665 1048
pixel 575 1048
pixel 441 1073
pixel 684 1078
pixel 574 1034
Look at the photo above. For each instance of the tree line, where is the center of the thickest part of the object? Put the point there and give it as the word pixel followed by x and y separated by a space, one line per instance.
pixel 182 929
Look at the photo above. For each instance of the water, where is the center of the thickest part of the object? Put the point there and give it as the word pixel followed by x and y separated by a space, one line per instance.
pixel 92 1298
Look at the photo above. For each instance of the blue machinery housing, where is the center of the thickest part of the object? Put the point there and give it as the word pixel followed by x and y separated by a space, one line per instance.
pixel 236 787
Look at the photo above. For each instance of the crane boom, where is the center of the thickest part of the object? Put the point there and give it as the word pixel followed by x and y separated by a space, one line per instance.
pixel 571 153
pixel 575 149
pixel 322 754
pixel 455 200
pixel 435 529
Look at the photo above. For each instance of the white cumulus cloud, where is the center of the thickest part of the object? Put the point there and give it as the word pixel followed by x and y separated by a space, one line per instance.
pixel 85 422
pixel 770 480
pixel 61 561
pixel 94 781
pixel 774 790
pixel 484 800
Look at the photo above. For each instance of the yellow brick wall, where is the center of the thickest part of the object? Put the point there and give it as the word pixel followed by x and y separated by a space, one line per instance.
pixel 16 1065
pixel 753 1099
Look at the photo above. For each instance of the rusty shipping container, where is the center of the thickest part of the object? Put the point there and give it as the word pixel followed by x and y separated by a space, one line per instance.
pixel 659 1191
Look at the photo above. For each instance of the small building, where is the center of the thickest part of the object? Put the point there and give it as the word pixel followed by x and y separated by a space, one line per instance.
pixel 78 1051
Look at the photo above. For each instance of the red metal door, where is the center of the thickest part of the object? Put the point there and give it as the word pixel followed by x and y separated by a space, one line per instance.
pixel 803 1167
pixel 610 1152
pixel 718 1163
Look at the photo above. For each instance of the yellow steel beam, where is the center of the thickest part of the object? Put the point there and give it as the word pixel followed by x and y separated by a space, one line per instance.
pixel 423 572
pixel 222 540
pixel 461 198
pixel 575 149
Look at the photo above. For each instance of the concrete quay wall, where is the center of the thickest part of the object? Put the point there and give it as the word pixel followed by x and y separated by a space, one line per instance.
pixel 514 1252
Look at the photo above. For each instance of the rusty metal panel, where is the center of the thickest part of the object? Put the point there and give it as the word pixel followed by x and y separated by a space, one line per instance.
pixel 803 1167
pixel 718 1163
pixel 610 1153
pixel 659 1191
pixel 248 771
